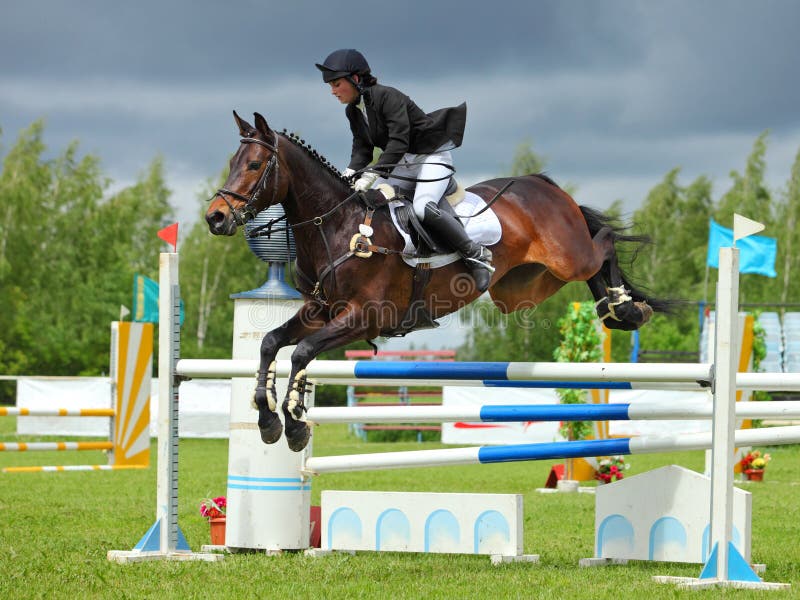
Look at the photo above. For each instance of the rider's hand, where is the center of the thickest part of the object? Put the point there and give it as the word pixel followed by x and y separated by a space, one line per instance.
pixel 348 173
pixel 365 182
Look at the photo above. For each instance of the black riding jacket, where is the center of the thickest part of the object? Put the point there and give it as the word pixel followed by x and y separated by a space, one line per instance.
pixel 398 126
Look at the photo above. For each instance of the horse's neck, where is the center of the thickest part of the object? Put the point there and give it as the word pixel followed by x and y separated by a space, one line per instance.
pixel 311 199
pixel 311 195
pixel 312 190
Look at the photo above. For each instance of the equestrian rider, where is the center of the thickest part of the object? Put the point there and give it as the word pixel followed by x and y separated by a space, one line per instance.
pixel 414 144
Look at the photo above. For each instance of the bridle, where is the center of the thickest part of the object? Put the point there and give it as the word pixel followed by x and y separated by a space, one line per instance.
pixel 248 212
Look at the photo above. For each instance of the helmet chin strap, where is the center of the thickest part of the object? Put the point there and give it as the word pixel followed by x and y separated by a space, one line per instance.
pixel 356 84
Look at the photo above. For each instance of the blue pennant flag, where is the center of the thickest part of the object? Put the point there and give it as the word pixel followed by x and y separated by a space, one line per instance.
pixel 145 300
pixel 756 253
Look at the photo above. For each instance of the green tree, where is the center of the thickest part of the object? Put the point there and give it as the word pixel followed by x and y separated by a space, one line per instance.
pixel 581 341
pixel 526 161
pixel 675 218
pixel 213 268
pixel 68 254
pixel 789 242
pixel 749 196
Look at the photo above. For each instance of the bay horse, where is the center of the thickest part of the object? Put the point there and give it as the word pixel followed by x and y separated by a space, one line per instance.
pixel 547 240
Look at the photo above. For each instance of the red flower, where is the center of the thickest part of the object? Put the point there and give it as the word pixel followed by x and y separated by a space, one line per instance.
pixel 212 508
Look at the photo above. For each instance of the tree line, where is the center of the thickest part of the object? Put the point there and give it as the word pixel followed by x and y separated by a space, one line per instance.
pixel 69 250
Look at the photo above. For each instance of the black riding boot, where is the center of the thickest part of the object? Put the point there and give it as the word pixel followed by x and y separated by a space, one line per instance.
pixel 477 258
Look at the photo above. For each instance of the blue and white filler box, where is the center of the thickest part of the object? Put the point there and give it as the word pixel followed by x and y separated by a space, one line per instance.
pixel 488 524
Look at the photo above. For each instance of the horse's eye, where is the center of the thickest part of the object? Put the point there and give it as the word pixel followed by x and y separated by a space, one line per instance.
pixel 254 166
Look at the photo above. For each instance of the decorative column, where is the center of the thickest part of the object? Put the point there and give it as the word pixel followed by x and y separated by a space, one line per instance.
pixel 268 500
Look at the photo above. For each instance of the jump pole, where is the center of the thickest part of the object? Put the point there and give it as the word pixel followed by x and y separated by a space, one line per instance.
pixel 644 411
pixel 547 451
pixel 725 566
pixel 663 376
pixel 164 540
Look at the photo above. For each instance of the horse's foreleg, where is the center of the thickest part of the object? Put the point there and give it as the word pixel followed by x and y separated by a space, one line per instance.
pixel 347 326
pixel 265 399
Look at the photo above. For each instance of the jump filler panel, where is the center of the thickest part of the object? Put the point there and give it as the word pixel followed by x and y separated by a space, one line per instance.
pixel 663 515
pixel 422 522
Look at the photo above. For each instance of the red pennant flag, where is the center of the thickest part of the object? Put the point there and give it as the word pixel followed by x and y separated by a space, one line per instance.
pixel 170 235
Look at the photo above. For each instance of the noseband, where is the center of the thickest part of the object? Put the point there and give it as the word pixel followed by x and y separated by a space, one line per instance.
pixel 249 211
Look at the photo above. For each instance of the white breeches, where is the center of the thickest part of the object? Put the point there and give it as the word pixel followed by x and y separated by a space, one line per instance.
pixel 419 166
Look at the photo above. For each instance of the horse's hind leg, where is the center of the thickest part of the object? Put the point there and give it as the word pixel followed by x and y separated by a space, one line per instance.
pixel 347 326
pixel 614 306
pixel 265 399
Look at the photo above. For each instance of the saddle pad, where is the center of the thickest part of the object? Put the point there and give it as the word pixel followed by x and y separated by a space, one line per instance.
pixel 483 229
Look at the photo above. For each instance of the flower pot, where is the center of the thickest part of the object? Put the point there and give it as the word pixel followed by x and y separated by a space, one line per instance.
pixel 217 531
pixel 568 485
pixel 754 474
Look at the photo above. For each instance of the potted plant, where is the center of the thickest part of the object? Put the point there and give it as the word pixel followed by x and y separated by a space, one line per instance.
pixel 581 341
pixel 213 509
pixel 753 465
pixel 610 469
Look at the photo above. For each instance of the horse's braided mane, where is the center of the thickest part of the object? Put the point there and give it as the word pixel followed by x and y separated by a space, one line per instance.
pixel 323 162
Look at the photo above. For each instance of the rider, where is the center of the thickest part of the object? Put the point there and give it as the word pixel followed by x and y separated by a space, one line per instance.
pixel 383 117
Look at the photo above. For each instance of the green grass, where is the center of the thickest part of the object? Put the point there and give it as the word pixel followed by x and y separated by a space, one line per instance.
pixel 58 527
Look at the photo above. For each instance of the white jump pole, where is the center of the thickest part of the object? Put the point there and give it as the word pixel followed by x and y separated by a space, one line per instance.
pixel 333 371
pixel 724 422
pixel 725 566
pixel 662 376
pixel 319 465
pixel 645 411
pixel 164 540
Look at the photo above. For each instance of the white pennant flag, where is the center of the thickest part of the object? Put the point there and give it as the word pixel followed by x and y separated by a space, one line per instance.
pixel 743 227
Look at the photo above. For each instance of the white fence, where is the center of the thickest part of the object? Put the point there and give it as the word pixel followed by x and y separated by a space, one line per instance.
pixel 204 406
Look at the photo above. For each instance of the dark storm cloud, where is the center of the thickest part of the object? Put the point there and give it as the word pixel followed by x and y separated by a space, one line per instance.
pixel 184 40
pixel 613 93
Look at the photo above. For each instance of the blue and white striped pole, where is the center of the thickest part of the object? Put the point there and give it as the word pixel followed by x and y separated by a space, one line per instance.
pixel 555 450
pixel 669 376
pixel 547 412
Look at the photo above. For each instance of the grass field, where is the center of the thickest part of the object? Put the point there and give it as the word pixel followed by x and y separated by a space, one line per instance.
pixel 58 527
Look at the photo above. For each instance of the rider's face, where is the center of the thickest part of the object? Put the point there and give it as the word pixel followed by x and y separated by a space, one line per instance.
pixel 345 91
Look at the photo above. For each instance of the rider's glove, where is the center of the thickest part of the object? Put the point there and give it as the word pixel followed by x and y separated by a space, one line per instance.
pixel 348 173
pixel 365 182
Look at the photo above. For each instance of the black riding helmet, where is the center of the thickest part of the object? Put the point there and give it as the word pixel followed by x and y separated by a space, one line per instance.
pixel 343 63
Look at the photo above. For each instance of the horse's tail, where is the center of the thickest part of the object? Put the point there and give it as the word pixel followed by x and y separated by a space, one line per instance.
pixel 596 220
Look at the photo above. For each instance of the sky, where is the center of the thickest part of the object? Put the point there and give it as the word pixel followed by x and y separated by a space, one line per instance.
pixel 613 94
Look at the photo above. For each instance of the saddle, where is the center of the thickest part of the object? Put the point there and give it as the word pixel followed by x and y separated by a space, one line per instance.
pixel 427 244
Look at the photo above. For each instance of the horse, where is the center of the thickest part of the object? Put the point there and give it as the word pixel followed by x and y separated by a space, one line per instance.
pixel 354 289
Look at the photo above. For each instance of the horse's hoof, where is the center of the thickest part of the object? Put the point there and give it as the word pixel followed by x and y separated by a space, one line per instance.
pixel 646 311
pixel 297 435
pixel 269 424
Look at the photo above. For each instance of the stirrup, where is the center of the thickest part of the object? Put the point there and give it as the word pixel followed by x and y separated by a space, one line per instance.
pixel 477 262
pixel 484 259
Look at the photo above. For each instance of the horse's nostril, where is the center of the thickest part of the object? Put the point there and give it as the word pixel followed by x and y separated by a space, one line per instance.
pixel 215 219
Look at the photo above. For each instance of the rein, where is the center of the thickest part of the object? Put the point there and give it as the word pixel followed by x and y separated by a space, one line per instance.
pixel 380 171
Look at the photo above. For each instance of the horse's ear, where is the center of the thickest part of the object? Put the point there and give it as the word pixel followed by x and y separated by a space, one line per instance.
pixel 261 124
pixel 245 129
